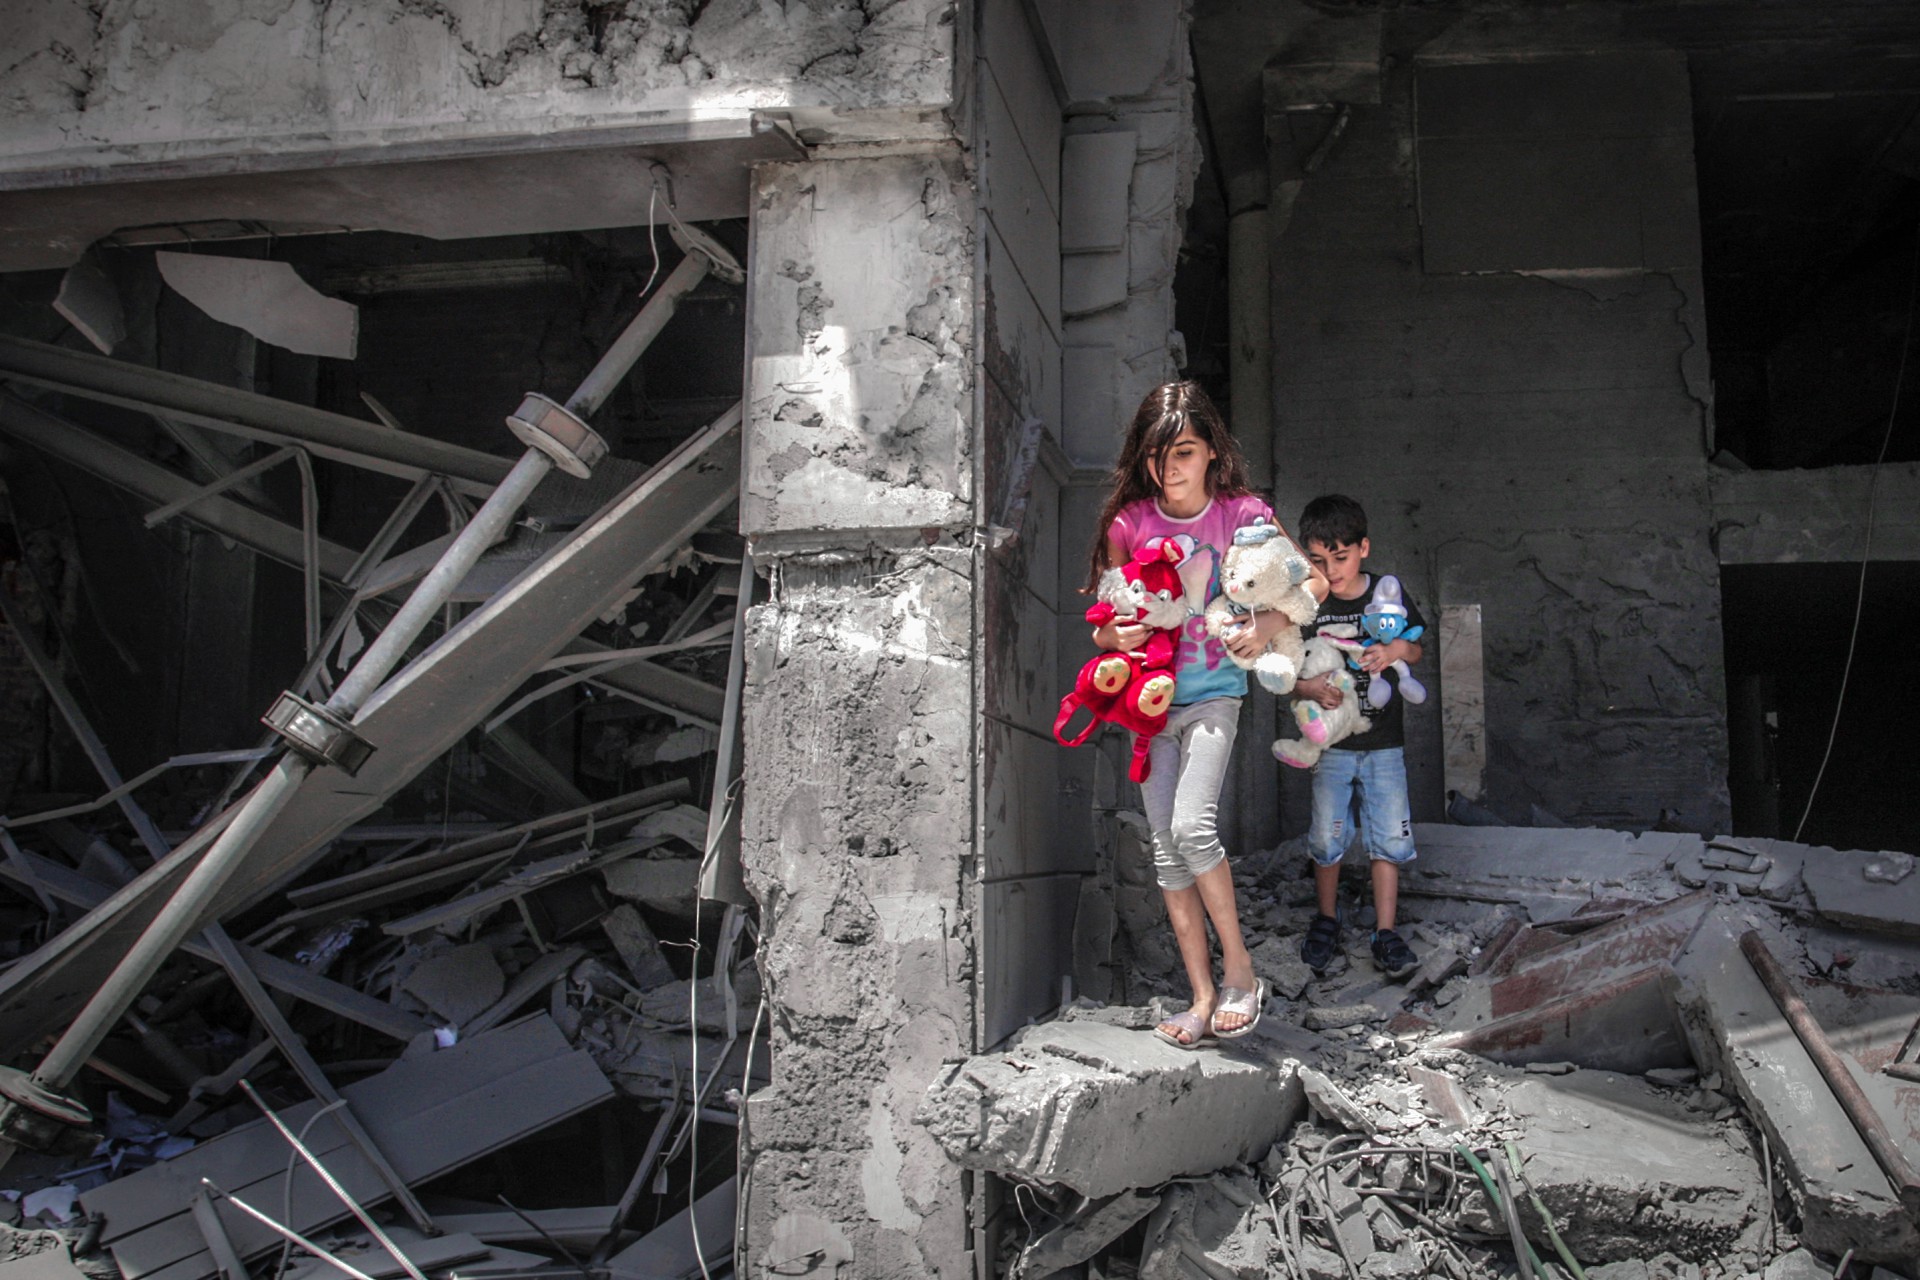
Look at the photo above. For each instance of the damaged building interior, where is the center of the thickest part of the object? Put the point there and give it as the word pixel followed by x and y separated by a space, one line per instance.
pixel 540 546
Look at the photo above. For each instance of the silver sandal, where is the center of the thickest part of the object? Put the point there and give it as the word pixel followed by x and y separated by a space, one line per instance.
pixel 1248 1004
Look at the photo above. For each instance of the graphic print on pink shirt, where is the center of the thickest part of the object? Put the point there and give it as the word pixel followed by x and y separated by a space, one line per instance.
pixel 1201 666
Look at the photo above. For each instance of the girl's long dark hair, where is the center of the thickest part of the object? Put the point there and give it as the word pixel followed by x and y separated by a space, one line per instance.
pixel 1167 410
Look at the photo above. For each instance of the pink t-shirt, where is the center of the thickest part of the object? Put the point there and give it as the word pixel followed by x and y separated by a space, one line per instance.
pixel 1201 667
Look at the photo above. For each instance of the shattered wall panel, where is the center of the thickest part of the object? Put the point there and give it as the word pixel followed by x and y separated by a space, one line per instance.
pixel 1532 445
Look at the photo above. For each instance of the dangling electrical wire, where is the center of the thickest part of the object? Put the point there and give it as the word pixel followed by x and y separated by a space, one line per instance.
pixel 1866 552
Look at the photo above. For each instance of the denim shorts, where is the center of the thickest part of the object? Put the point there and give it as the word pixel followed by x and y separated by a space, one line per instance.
pixel 1363 792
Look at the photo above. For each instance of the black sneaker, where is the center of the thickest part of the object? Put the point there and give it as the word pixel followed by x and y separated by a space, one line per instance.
pixel 1392 954
pixel 1322 945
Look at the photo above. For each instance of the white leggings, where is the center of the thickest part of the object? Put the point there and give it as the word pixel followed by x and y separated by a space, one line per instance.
pixel 1182 792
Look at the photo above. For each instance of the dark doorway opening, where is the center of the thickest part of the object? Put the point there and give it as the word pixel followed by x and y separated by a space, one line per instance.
pixel 1783 682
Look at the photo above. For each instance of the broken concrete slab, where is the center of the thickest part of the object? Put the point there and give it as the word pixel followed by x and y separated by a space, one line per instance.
pixel 266 298
pixel 1278 961
pixel 1444 1097
pixel 1845 1201
pixel 1854 888
pixel 1327 1098
pixel 1551 872
pixel 1103 1109
pixel 457 984
pixel 1627 1172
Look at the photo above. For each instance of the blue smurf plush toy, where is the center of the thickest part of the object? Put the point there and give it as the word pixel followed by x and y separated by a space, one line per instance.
pixel 1384 620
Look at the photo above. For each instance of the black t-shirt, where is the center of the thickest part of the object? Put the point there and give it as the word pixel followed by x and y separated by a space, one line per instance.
pixel 1389 723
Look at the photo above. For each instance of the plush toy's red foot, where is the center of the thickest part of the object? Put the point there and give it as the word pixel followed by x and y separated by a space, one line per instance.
pixel 1155 695
pixel 1110 674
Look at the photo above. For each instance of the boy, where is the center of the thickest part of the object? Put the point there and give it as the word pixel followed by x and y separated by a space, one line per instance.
pixel 1365 776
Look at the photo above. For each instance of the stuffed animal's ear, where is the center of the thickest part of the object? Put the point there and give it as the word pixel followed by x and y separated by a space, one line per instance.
pixel 1254 535
pixel 1170 551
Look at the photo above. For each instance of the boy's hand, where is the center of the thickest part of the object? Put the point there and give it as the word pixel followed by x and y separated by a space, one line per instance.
pixel 1119 636
pixel 1376 658
pixel 1318 689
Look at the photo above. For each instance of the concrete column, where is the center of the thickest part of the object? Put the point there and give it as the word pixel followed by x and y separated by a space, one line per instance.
pixel 1249 325
pixel 858 825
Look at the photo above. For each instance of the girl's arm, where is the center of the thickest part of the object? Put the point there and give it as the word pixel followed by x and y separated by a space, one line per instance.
pixel 1123 637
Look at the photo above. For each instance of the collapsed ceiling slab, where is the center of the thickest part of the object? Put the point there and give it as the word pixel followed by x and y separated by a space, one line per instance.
pixel 410 721
pixel 526 186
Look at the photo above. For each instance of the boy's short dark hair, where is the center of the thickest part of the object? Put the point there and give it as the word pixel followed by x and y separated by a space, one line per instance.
pixel 1334 520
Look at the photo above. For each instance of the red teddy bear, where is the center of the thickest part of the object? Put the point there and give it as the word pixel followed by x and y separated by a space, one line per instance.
pixel 1134 689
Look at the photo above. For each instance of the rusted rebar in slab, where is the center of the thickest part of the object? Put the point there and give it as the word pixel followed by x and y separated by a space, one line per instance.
pixel 1833 1068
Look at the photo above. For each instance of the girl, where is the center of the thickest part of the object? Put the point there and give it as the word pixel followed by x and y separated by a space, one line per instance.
pixel 1180 475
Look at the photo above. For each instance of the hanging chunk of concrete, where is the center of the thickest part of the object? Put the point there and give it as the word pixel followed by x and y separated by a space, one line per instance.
pixel 267 299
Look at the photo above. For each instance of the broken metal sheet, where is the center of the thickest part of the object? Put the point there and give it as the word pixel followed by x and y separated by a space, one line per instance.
pixel 433 1112
pixel 127 470
pixel 1602 998
pixel 575 1228
pixel 428 1253
pixel 257 417
pixel 698 1237
pixel 410 721
pixel 267 299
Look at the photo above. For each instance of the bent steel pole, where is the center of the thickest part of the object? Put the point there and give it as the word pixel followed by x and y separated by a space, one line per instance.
pixel 35 1108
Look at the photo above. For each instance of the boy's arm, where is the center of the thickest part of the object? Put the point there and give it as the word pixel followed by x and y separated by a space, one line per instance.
pixel 1378 657
pixel 1318 689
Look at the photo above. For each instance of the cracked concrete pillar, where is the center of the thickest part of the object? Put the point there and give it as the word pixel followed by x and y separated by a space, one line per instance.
pixel 858 822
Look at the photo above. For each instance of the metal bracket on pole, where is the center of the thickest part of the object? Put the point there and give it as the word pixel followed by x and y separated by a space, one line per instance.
pixel 37 1116
pixel 543 424
pixel 317 733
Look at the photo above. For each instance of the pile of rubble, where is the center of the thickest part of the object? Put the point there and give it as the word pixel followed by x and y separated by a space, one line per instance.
pixel 1638 1058
pixel 496 988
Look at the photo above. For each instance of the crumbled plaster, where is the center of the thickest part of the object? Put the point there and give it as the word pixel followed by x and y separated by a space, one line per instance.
pixel 857 839
pixel 860 382
pixel 172 80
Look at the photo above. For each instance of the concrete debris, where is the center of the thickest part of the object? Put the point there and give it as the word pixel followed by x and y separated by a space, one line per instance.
pixel 1104 1109
pixel 1626 1172
pixel 1221 1227
pixel 1080 1236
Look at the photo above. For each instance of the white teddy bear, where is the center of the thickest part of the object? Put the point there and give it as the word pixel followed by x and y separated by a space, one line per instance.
pixel 1326 654
pixel 1263 572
